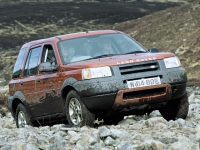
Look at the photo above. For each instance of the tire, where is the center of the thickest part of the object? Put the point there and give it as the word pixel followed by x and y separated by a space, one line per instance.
pixel 175 109
pixel 22 117
pixel 76 112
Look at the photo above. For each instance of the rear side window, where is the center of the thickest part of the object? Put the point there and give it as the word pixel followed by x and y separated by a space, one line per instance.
pixel 32 62
pixel 19 62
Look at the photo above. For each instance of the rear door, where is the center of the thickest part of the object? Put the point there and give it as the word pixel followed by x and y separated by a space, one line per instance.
pixel 27 82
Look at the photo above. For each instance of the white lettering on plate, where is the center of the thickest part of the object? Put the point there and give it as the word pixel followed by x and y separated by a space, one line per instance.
pixel 137 60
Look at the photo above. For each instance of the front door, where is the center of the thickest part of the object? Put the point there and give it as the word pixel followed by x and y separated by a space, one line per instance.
pixel 48 84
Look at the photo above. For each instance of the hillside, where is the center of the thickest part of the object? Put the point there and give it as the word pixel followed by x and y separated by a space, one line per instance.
pixel 21 22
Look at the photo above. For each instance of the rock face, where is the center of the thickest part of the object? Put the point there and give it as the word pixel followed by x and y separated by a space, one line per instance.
pixel 133 133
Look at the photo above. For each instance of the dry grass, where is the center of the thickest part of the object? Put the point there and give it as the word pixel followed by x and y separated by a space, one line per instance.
pixel 3 104
pixel 55 18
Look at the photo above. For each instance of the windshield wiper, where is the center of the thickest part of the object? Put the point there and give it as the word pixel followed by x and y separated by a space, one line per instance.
pixel 101 56
pixel 134 52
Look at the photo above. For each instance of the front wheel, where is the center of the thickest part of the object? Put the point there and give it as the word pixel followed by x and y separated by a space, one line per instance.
pixel 175 109
pixel 22 117
pixel 77 113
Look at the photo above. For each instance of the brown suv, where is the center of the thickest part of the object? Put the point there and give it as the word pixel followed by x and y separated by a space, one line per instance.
pixel 96 74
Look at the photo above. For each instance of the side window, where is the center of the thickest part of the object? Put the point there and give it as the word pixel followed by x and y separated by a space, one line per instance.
pixel 19 62
pixel 32 62
pixel 48 55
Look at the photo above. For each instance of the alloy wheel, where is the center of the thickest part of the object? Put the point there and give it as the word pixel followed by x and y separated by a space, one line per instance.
pixel 75 111
pixel 21 119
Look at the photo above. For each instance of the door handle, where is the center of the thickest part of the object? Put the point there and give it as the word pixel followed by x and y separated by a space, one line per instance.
pixel 38 80
pixel 21 83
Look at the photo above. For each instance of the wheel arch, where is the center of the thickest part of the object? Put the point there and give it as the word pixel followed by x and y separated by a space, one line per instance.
pixel 66 87
pixel 17 99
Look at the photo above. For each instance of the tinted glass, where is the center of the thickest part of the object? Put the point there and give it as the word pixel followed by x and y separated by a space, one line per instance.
pixel 32 62
pixel 90 47
pixel 19 62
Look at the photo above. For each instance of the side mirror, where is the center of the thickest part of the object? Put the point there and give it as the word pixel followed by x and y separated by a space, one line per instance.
pixel 153 50
pixel 47 67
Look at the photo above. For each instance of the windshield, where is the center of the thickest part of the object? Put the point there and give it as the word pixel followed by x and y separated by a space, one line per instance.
pixel 97 46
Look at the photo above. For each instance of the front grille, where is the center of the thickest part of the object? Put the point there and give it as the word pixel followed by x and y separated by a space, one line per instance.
pixel 144 93
pixel 138 67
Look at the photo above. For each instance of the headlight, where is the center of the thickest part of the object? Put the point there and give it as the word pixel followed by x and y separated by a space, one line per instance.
pixel 172 62
pixel 98 72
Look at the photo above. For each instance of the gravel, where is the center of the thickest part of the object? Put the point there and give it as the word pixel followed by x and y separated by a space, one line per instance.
pixel 151 132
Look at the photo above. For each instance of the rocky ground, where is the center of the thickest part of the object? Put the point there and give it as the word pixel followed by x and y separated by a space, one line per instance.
pixel 134 132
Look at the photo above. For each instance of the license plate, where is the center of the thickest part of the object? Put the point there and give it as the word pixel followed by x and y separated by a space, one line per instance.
pixel 144 82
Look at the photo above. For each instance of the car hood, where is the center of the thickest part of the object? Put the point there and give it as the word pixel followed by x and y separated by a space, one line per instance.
pixel 118 60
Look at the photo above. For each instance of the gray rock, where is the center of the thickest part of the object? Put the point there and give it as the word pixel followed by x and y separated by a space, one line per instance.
pixel 59 145
pixel 155 113
pixel 42 141
pixel 60 133
pixel 74 139
pixel 56 127
pixel 72 133
pixel 151 122
pixel 66 128
pixel 115 133
pixel 95 134
pixel 167 140
pixel 134 132
pixel 156 145
pixel 152 144
pixel 181 122
pixel 6 147
pixel 160 126
pixel 104 132
pixel 109 141
pixel 146 137
pixel 44 129
pixel 126 146
pixel 55 138
pixel 3 139
pixel 79 147
pixel 84 129
pixel 136 136
pixel 183 145
pixel 32 138
pixel 24 146
pixel 173 124
pixel 190 124
pixel 98 146
pixel 86 140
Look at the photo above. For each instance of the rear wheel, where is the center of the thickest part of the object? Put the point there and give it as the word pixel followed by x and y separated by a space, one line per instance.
pixel 22 117
pixel 77 113
pixel 175 109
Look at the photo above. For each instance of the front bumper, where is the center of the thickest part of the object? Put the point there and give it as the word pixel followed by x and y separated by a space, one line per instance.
pixel 112 92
